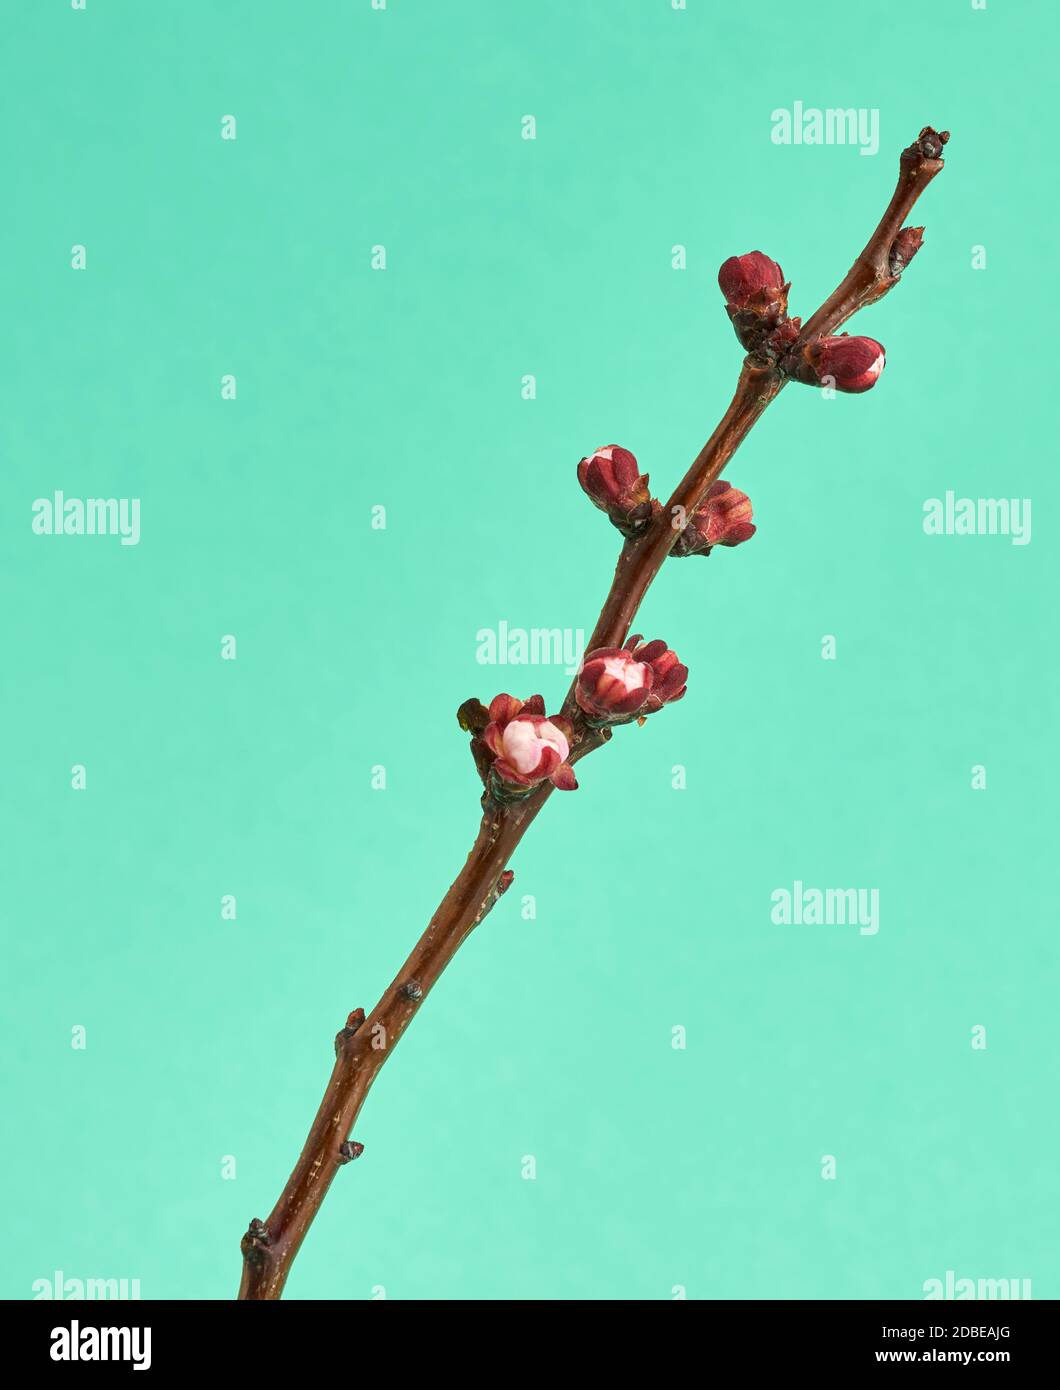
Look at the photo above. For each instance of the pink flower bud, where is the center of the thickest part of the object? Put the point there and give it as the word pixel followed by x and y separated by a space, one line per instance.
pixel 612 684
pixel 744 279
pixel 722 518
pixel 853 363
pixel 527 747
pixel 614 484
pixel 669 677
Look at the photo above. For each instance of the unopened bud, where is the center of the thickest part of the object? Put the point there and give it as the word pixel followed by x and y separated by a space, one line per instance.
pixel 852 364
pixel 612 684
pixel 745 280
pixel 722 518
pixel 611 479
pixel 904 247
pixel 527 747
pixel 756 297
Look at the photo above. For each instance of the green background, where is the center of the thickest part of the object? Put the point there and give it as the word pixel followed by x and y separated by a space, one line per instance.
pixel 549 1037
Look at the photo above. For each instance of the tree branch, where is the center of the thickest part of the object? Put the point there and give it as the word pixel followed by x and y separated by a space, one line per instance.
pixel 642 557
pixel 363 1045
pixel 871 276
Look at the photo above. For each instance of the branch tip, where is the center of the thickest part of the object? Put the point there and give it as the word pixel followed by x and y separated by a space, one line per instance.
pixel 928 144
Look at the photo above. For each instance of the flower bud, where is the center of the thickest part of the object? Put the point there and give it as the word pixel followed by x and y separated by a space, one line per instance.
pixel 613 483
pixel 612 685
pixel 852 363
pixel 903 248
pixel 747 280
pixel 669 677
pixel 756 298
pixel 527 747
pixel 722 518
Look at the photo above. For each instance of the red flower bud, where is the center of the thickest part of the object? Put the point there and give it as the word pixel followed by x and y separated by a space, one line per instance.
pixel 612 684
pixel 613 482
pixel 756 299
pixel 903 248
pixel 853 364
pixel 722 518
pixel 527 747
pixel 617 684
pixel 744 279
pixel 669 677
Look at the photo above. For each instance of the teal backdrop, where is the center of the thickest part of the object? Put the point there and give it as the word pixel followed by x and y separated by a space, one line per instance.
pixel 833 1126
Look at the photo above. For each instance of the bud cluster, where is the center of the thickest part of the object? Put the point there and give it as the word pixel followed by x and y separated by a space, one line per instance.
pixel 756 301
pixel 517 746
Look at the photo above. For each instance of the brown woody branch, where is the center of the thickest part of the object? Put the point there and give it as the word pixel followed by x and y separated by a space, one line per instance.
pixel 363 1045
